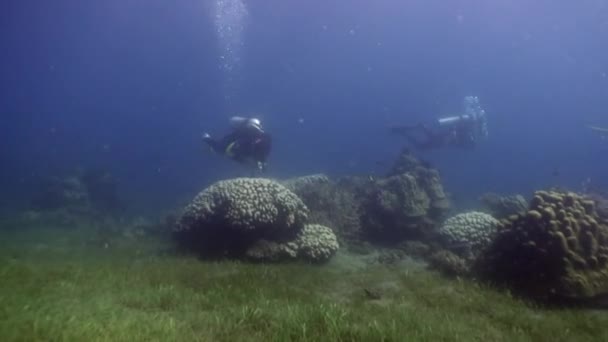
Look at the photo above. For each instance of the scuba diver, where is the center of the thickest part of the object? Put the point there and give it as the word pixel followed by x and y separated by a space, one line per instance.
pixel 462 131
pixel 247 143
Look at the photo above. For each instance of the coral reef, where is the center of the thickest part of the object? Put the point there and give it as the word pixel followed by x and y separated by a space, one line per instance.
pixel 256 218
pixel 403 205
pixel 331 203
pixel 245 204
pixel 314 243
pixel 396 208
pixel 429 179
pixel 601 203
pixel 467 234
pixel 403 194
pixel 503 206
pixel 558 248
pixel 406 162
pixel 87 191
pixel 431 182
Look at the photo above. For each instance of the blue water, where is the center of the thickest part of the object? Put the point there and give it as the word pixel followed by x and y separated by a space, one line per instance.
pixel 129 86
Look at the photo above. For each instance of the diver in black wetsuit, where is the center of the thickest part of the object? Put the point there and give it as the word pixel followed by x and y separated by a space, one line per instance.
pixel 247 142
pixel 424 137
pixel 463 131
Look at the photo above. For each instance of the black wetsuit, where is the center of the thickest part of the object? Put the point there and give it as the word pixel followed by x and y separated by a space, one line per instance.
pixel 244 144
pixel 424 137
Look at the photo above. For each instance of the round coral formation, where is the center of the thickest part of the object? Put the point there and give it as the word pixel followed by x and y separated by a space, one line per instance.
pixel 559 247
pixel 314 243
pixel 245 204
pixel 469 232
pixel 317 243
pixel 229 216
pixel 256 218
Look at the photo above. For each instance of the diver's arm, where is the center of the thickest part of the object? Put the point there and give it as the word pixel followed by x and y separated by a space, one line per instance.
pixel 213 144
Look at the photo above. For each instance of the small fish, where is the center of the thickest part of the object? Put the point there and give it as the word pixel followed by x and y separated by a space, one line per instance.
pixel 555 172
